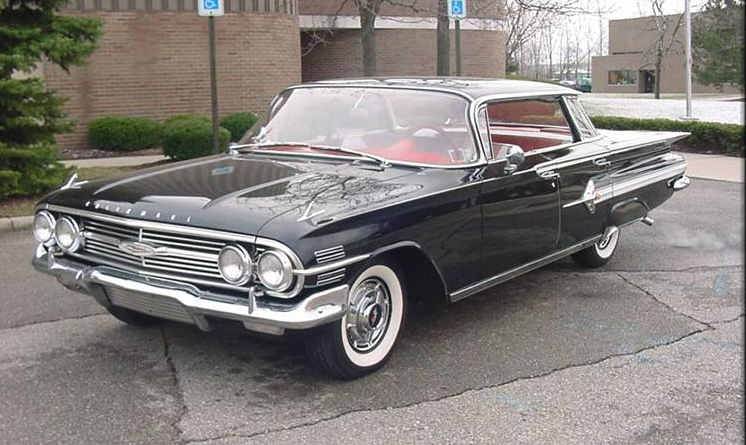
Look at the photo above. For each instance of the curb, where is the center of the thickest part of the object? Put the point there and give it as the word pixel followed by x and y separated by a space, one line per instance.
pixel 15 223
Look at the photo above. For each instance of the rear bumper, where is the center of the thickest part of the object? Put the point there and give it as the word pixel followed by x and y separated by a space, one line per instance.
pixel 185 302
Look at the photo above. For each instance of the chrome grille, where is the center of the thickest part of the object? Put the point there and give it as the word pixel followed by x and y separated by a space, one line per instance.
pixel 149 304
pixel 190 256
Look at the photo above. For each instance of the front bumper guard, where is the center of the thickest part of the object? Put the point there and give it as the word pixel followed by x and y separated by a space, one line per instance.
pixel 315 310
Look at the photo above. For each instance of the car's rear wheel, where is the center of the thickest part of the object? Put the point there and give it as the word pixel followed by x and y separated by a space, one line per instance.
pixel 131 317
pixel 364 339
pixel 598 254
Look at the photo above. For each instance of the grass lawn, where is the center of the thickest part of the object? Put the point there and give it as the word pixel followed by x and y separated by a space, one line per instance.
pixel 25 205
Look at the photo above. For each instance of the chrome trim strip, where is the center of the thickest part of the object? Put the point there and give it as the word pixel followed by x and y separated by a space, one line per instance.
pixel 331 266
pixel 520 270
pixel 622 187
pixel 632 184
pixel 138 224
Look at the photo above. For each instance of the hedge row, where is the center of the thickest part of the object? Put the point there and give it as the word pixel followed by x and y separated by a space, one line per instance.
pixel 190 137
pixel 706 136
pixel 136 133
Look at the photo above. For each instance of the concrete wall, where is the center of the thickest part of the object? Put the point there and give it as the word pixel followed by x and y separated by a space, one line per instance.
pixel 404 52
pixel 155 64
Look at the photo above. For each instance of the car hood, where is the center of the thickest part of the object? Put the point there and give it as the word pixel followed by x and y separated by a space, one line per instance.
pixel 237 193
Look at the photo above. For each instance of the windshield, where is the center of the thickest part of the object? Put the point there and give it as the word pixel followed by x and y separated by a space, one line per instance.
pixel 395 124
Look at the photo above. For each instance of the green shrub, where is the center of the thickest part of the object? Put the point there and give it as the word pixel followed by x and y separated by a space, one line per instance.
pixel 238 123
pixel 30 169
pixel 191 138
pixel 125 133
pixel 185 117
pixel 706 136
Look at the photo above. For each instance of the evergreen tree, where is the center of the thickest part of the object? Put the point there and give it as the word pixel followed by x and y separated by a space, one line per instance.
pixel 717 41
pixel 30 116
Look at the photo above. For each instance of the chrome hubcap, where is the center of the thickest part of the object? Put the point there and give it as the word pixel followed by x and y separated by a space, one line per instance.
pixel 368 315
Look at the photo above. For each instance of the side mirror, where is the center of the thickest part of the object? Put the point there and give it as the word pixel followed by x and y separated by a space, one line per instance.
pixel 515 157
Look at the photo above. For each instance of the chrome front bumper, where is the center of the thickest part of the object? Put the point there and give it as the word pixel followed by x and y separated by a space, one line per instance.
pixel 171 299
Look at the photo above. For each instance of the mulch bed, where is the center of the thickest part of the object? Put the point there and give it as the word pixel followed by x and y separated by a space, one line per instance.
pixel 66 154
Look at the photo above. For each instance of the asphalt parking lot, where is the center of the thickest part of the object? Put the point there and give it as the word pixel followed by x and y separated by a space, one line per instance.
pixel 648 349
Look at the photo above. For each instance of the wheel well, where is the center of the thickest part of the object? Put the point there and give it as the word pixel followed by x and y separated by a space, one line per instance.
pixel 423 281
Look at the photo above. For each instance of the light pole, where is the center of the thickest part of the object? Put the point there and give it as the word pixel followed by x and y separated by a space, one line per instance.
pixel 688 60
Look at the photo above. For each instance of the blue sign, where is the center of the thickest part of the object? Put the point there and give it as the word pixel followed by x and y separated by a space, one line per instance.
pixel 209 8
pixel 457 9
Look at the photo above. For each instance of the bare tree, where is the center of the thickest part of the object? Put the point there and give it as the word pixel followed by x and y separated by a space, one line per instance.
pixel 443 40
pixel 666 28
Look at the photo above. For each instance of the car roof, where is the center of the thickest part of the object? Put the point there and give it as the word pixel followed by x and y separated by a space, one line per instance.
pixel 473 87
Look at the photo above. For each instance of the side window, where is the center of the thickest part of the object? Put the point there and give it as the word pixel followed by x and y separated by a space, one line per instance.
pixel 581 119
pixel 484 132
pixel 531 124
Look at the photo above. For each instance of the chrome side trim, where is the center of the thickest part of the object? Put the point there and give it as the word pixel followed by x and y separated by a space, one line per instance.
pixel 520 270
pixel 617 189
pixel 330 266
pixel 330 254
pixel 626 186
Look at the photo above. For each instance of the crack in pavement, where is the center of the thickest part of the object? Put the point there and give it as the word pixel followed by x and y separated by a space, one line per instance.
pixel 666 305
pixel 706 328
pixel 35 323
pixel 182 408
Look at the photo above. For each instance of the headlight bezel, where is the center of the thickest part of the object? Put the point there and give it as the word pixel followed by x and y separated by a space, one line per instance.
pixel 287 268
pixel 51 220
pixel 77 239
pixel 247 263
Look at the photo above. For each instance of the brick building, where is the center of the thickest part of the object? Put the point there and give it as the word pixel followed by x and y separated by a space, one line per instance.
pixel 152 59
pixel 630 65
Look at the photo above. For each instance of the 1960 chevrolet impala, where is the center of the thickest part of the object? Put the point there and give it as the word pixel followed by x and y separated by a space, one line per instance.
pixel 351 197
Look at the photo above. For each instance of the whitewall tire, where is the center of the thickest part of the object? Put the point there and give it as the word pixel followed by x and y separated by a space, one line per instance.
pixel 364 339
pixel 598 254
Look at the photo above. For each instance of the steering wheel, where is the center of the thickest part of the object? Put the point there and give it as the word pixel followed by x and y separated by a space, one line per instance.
pixel 445 141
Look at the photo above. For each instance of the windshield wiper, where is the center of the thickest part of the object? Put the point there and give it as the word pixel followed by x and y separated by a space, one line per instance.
pixel 382 162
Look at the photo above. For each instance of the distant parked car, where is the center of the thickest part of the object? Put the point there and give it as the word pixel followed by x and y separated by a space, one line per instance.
pixel 583 84
pixel 568 83
pixel 351 197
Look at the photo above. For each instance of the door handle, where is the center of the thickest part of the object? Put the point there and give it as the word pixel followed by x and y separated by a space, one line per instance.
pixel 601 162
pixel 549 175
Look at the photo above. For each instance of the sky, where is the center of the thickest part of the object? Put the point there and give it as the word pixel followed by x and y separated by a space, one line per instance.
pixel 625 9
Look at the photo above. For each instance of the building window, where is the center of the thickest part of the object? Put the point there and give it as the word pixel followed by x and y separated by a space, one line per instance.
pixel 623 77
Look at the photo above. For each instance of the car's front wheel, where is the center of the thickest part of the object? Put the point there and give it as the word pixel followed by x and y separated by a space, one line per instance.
pixel 364 339
pixel 598 254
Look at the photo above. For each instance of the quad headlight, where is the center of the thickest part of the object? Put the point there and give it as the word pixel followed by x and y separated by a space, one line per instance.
pixel 67 234
pixel 275 270
pixel 235 264
pixel 44 227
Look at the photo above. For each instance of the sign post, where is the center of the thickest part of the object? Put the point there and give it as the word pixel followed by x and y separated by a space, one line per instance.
pixel 457 11
pixel 212 9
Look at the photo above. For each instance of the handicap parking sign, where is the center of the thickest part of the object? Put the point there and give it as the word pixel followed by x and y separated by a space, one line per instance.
pixel 209 8
pixel 457 9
